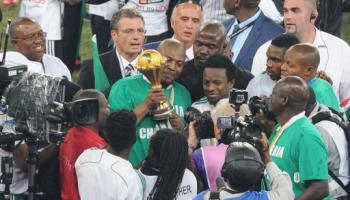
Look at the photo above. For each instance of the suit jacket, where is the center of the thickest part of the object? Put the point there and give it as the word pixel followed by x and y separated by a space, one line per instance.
pixel 111 67
pixel 263 30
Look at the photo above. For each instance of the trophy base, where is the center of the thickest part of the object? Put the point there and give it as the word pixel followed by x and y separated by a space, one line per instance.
pixel 162 114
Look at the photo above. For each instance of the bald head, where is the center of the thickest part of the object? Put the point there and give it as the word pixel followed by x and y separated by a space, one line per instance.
pixel 214 27
pixel 305 55
pixel 170 45
pixel 20 23
pixel 187 5
pixel 185 21
pixel 209 41
pixel 294 92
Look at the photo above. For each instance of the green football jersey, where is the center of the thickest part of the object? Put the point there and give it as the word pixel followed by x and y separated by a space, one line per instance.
pixel 301 152
pixel 132 91
pixel 324 93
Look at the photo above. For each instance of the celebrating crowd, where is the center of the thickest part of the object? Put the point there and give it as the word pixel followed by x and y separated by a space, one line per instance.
pixel 210 99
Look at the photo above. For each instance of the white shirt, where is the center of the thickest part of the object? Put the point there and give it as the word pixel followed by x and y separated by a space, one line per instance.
pixel 189 51
pixel 50 65
pixel 269 9
pixel 187 189
pixel 242 37
pixel 203 105
pixel 334 55
pixel 105 10
pixel 102 175
pixel 260 85
pixel 337 134
pixel 123 63
pixel 214 10
pixel 47 13
pixel 154 14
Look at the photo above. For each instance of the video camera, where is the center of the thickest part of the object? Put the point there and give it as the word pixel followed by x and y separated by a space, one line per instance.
pixel 238 128
pixel 38 104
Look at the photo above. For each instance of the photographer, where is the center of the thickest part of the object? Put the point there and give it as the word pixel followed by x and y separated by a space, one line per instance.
pixel 242 170
pixel 329 124
pixel 295 144
pixel 209 159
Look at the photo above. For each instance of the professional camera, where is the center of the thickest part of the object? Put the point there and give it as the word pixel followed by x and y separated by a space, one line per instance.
pixel 237 128
pixel 38 103
pixel 204 126
pixel 257 104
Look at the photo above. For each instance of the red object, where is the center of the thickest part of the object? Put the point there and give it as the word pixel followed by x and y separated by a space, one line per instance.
pixel 9 2
pixel 76 141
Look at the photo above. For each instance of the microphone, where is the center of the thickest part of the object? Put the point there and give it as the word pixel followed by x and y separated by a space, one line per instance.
pixel 220 183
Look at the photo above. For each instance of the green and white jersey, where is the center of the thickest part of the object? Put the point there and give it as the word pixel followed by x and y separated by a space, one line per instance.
pixel 203 105
pixel 300 152
pixel 130 92
pixel 324 93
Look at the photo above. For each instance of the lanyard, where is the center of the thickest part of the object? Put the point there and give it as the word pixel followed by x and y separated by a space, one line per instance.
pixel 275 139
pixel 239 31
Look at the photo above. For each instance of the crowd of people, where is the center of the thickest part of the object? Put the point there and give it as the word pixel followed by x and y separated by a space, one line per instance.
pixel 289 142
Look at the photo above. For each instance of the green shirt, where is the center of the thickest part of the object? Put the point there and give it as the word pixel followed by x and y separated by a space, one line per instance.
pixel 300 152
pixel 130 92
pixel 324 93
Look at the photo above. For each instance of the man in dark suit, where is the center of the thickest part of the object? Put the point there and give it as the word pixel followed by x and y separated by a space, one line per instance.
pixel 249 30
pixel 209 41
pixel 128 34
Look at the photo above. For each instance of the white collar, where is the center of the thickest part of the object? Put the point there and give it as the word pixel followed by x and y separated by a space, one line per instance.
pixel 292 120
pixel 319 41
pixel 146 79
pixel 124 62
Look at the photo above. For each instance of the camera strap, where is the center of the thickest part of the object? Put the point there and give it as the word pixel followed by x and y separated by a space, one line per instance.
pixel 275 139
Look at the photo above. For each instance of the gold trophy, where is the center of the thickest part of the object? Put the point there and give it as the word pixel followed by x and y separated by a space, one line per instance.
pixel 151 64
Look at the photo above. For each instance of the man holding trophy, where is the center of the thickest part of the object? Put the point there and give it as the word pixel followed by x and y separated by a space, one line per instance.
pixel 157 100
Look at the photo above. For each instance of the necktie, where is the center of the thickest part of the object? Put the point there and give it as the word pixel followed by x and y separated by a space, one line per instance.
pixel 128 70
pixel 234 38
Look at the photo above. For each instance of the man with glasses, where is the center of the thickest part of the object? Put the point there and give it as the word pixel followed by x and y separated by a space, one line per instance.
pixel 128 34
pixel 28 38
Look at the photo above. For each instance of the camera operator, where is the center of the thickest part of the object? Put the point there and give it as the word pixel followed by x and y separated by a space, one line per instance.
pixel 295 144
pixel 244 168
pixel 328 124
pixel 77 140
pixel 107 174
pixel 209 159
pixel 219 75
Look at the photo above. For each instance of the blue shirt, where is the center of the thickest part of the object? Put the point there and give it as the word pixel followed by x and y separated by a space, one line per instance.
pixel 246 196
pixel 241 38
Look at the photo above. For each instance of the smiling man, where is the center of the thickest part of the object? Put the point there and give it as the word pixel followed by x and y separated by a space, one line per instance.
pixel 28 38
pixel 136 93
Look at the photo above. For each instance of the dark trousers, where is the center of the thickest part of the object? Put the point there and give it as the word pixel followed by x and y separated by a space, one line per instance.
pixel 72 25
pixel 101 28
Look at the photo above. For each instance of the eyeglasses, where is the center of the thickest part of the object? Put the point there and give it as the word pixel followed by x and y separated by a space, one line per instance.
pixel 33 36
pixel 130 31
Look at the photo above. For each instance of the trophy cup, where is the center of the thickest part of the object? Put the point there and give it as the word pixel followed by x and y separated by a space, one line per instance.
pixel 151 64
